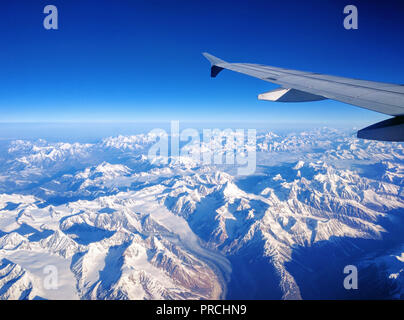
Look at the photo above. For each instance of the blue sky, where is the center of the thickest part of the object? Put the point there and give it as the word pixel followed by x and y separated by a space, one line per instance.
pixel 141 60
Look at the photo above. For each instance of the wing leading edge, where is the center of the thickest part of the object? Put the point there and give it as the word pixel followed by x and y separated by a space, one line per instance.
pixel 300 86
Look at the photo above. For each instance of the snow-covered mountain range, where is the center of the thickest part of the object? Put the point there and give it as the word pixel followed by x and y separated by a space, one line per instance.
pixel 117 225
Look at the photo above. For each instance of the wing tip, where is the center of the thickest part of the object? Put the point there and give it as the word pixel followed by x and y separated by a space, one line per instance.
pixel 214 61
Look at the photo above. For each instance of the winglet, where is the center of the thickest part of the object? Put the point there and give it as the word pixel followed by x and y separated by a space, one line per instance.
pixel 214 61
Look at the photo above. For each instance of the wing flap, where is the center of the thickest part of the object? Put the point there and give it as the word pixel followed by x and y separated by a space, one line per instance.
pixel 289 95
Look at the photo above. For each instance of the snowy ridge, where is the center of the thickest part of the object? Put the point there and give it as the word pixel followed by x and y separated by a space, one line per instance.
pixel 120 226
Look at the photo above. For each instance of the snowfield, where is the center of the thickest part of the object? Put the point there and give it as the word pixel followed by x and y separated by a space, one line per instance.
pixel 117 225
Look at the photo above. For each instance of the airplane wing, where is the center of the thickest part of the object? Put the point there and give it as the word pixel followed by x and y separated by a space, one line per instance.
pixel 300 86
